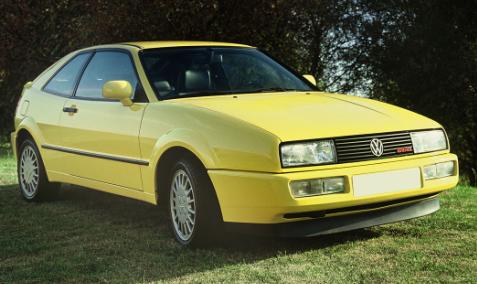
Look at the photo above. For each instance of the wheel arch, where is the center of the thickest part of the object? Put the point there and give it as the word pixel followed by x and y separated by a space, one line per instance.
pixel 165 162
pixel 29 126
pixel 180 141
pixel 22 135
pixel 163 170
pixel 28 129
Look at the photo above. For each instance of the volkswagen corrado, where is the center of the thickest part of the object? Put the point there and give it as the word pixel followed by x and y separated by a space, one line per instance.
pixel 225 137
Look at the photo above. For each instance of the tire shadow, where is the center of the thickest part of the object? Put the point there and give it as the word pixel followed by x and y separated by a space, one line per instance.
pixel 121 239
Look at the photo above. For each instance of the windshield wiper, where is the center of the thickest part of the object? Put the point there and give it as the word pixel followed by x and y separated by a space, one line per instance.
pixel 203 94
pixel 233 92
pixel 276 89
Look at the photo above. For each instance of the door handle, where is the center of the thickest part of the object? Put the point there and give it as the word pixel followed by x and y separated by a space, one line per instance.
pixel 70 110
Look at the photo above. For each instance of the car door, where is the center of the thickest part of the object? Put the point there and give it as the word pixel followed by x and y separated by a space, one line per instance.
pixel 47 107
pixel 101 136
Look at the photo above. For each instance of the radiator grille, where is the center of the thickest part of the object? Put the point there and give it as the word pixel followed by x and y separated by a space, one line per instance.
pixel 357 148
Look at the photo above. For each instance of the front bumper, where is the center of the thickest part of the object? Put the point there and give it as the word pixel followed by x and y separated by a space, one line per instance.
pixel 265 198
pixel 332 225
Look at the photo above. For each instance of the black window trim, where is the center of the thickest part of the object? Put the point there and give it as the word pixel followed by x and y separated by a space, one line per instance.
pixel 83 68
pixel 78 76
pixel 288 68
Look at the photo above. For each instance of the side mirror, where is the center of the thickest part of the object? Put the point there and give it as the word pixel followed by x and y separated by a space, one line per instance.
pixel 118 90
pixel 310 78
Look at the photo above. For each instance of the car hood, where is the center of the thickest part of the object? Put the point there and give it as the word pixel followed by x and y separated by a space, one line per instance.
pixel 300 116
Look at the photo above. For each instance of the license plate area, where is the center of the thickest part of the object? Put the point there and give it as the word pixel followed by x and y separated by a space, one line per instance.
pixel 386 182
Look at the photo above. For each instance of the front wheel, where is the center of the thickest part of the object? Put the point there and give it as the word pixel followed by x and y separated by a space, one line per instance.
pixel 32 179
pixel 193 207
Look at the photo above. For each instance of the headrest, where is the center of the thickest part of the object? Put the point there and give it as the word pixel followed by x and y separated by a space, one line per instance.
pixel 197 80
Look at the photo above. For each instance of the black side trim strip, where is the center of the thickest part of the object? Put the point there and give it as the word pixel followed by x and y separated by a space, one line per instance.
pixel 95 155
pixel 323 213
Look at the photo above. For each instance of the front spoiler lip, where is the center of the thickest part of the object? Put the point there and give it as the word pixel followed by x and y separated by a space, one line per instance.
pixel 357 208
pixel 336 224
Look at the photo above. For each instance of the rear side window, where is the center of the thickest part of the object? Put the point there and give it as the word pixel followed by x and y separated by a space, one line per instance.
pixel 106 66
pixel 63 83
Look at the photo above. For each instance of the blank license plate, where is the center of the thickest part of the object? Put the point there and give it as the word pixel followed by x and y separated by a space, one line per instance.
pixel 386 182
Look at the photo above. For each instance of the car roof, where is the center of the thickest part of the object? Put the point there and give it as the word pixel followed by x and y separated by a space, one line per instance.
pixel 162 44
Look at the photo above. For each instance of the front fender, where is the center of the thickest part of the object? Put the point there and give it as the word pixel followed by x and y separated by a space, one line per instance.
pixel 188 139
pixel 216 139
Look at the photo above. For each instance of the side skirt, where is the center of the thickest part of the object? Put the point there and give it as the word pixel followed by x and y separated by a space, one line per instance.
pixel 102 186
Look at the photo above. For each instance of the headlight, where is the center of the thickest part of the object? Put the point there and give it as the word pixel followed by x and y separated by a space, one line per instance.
pixel 308 153
pixel 428 141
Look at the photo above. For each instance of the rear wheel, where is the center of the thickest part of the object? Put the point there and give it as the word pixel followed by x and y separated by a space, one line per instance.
pixel 193 207
pixel 32 179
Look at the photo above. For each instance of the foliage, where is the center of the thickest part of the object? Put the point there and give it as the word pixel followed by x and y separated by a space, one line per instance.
pixel 421 55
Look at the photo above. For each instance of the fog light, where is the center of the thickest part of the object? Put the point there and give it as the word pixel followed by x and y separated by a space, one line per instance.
pixel 439 170
pixel 310 187
pixel 333 185
pixel 445 169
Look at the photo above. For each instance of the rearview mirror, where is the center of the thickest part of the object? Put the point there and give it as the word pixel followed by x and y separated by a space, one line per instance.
pixel 310 78
pixel 118 90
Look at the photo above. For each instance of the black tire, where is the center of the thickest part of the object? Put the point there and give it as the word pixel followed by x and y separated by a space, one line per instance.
pixel 208 218
pixel 32 179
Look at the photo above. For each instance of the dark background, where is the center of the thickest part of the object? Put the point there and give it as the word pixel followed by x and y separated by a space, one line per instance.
pixel 421 55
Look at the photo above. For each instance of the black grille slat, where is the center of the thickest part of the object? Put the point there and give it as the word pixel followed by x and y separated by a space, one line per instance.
pixel 371 158
pixel 357 148
pixel 353 150
pixel 368 136
pixel 395 141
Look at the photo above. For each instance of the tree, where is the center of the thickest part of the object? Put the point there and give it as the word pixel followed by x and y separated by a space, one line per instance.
pixel 422 55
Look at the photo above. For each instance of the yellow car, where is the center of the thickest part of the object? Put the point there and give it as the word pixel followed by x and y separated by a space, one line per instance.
pixel 224 136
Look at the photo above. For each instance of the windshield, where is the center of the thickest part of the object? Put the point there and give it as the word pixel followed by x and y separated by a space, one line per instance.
pixel 207 71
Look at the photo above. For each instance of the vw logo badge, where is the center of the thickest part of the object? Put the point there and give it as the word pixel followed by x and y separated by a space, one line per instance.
pixel 377 147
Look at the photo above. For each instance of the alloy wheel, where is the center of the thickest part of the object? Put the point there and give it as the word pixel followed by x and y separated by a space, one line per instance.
pixel 29 172
pixel 182 205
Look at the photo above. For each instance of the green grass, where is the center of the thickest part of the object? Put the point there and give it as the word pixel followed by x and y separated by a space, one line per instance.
pixel 88 236
pixel 8 174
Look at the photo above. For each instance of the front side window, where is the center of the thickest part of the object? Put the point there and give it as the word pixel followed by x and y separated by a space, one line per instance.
pixel 63 83
pixel 106 66
pixel 204 71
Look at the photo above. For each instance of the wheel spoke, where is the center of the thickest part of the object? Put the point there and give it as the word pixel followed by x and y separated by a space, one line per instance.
pixel 182 205
pixel 189 227
pixel 29 173
pixel 184 230
pixel 183 180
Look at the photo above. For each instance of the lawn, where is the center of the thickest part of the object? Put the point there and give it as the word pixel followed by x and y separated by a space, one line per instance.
pixel 88 236
pixel 7 166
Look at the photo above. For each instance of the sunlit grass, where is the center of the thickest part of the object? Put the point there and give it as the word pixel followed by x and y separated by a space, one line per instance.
pixel 87 236
pixel 8 174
